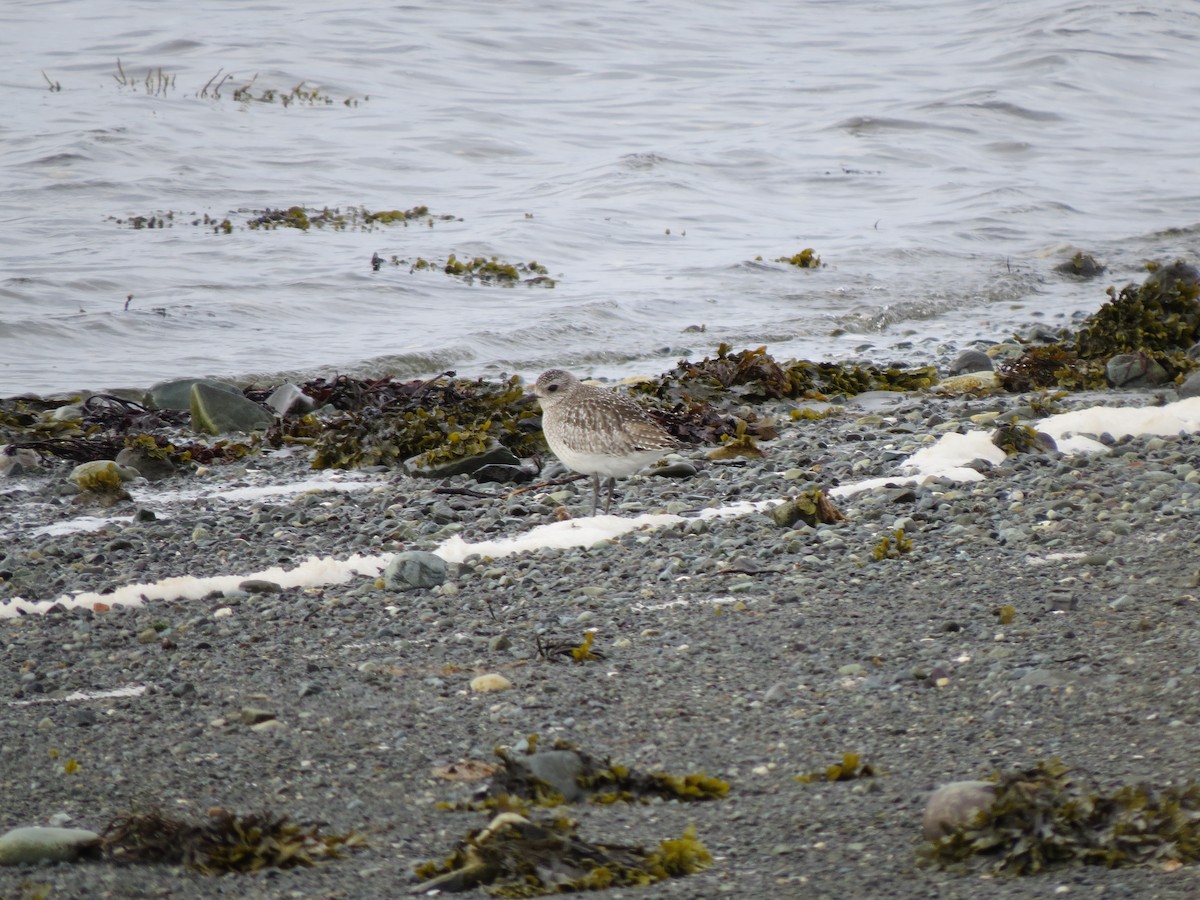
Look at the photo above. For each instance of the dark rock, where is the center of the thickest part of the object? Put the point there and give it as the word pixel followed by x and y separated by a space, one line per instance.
pixel 150 467
pixel 259 586
pixel 1081 265
pixel 502 474
pixel 971 361
pixel 495 455
pixel 678 469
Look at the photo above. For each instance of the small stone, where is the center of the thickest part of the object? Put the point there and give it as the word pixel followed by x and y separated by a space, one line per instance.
pixel 35 844
pixel 492 681
pixel 413 570
pixel 253 715
pixel 955 804
pixel 498 643
pixel 677 469
pixel 777 693
pixel 268 725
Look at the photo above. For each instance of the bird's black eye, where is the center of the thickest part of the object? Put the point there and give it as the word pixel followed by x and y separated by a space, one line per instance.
pixel 552 388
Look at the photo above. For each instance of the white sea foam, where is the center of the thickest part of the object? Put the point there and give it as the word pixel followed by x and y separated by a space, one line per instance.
pixel 946 458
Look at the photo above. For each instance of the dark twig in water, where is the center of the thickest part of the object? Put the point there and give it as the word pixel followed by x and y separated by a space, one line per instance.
pixel 464 492
pixel 557 482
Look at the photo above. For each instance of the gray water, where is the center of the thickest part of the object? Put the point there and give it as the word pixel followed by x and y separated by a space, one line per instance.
pixel 940 157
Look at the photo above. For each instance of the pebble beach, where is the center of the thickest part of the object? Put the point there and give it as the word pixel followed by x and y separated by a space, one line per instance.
pixel 1046 610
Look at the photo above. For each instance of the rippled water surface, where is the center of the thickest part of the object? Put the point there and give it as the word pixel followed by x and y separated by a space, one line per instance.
pixel 941 158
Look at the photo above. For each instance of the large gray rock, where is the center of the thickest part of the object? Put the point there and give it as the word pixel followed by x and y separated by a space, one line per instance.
pixel 1190 386
pixel 1135 370
pixel 177 394
pixel 413 570
pixel 558 768
pixel 33 844
pixel 955 804
pixel 215 411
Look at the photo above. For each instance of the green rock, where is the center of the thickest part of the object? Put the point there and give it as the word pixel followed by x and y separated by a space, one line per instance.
pixel 414 569
pixel 34 844
pixel 177 394
pixel 216 411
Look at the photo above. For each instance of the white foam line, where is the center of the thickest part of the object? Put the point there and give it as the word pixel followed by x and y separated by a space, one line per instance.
pixel 948 456
pixel 582 532
pixel 133 690
pixel 253 492
pixel 82 523
pixel 316 570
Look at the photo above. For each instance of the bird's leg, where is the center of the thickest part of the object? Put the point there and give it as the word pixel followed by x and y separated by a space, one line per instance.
pixel 595 493
pixel 608 500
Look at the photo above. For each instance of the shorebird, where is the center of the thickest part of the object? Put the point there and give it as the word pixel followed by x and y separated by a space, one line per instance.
pixel 597 432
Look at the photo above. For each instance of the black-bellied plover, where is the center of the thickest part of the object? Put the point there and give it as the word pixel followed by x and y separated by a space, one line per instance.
pixel 597 432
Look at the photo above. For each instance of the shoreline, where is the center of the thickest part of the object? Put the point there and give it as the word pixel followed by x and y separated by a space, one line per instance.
pixel 818 649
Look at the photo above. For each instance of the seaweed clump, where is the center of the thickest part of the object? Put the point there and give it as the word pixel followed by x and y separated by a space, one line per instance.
pixel 517 857
pixel 849 769
pixel 805 259
pixel 481 269
pixel 1040 817
pixel 426 422
pixel 1016 439
pixel 1051 365
pixel 602 781
pixel 1159 319
pixel 1158 316
pixel 352 218
pixel 756 375
pixel 892 546
pixel 225 843
pixel 1081 265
